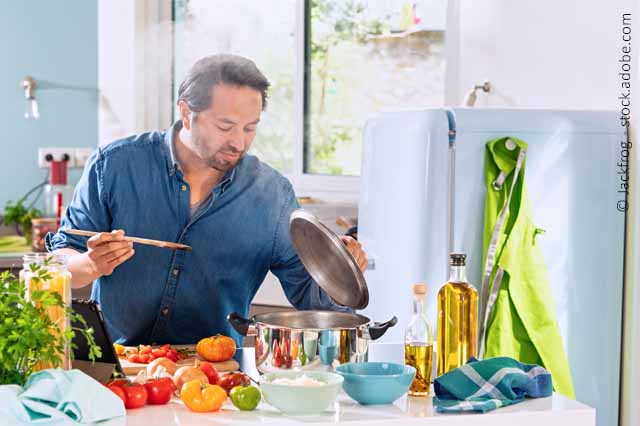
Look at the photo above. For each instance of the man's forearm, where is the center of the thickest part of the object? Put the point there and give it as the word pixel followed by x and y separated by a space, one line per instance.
pixel 80 266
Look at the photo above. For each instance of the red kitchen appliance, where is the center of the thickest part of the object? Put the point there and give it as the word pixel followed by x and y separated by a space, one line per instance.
pixel 57 193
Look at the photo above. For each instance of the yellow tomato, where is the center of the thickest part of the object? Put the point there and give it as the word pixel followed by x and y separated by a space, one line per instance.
pixel 119 349
pixel 202 398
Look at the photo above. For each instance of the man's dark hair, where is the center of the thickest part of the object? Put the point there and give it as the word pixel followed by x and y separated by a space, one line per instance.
pixel 233 70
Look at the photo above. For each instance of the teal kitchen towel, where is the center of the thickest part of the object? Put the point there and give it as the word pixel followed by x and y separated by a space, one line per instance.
pixel 489 384
pixel 58 397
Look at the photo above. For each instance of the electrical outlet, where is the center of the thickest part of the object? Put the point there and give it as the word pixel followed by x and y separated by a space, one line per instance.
pixel 81 156
pixel 47 154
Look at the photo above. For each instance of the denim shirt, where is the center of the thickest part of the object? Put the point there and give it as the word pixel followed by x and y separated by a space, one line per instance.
pixel 165 296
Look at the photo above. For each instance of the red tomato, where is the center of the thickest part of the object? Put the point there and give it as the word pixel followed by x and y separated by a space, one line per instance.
pixel 144 354
pixel 230 380
pixel 180 355
pixel 159 353
pixel 136 395
pixel 117 382
pixel 211 372
pixel 159 390
pixel 118 391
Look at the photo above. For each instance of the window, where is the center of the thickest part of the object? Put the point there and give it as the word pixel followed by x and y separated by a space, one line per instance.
pixel 362 58
pixel 332 64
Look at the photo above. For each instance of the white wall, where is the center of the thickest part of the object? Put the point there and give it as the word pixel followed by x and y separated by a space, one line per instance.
pixel 545 53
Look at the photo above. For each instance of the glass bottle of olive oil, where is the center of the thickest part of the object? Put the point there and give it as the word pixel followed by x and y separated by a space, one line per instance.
pixel 457 318
pixel 418 344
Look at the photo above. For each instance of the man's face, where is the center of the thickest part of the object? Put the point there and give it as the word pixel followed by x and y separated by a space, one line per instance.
pixel 223 133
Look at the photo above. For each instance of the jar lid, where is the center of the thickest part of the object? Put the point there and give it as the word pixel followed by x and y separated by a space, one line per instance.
pixel 327 260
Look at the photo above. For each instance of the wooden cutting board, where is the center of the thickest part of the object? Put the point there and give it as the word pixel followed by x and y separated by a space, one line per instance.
pixel 132 368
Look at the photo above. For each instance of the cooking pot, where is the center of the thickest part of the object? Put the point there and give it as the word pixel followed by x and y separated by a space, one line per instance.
pixel 309 340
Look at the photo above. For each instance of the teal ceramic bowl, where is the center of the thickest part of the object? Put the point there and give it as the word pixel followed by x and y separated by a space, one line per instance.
pixel 376 382
pixel 301 400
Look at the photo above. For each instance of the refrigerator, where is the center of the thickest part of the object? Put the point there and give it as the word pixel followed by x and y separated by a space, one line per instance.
pixel 422 196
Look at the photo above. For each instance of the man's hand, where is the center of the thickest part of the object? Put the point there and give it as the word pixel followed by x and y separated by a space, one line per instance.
pixel 356 251
pixel 107 250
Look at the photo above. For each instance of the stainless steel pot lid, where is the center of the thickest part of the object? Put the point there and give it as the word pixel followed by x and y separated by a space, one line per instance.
pixel 312 320
pixel 327 260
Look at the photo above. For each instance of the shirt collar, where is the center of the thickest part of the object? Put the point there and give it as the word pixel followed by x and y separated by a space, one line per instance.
pixel 169 147
pixel 172 162
pixel 228 177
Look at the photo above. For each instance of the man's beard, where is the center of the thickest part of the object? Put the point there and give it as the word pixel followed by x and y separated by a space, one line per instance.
pixel 223 165
pixel 216 161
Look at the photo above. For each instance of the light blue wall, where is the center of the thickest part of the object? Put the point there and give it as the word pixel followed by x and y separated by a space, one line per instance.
pixel 56 41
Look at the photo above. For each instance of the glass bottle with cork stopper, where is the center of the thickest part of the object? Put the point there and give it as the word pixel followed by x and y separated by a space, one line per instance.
pixel 418 344
pixel 457 318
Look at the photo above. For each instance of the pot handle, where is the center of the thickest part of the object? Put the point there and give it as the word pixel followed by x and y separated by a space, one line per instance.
pixel 241 324
pixel 377 330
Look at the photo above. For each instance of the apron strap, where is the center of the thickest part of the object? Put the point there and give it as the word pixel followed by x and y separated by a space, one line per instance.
pixel 485 308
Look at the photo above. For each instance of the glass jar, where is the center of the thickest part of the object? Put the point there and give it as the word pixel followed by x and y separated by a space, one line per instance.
pixel 57 279
pixel 39 228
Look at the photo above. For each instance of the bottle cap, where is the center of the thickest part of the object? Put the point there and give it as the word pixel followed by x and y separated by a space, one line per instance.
pixel 457 259
pixel 419 289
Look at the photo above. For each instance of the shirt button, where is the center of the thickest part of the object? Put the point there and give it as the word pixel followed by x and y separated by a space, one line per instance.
pixel 165 311
pixel 183 188
pixel 175 272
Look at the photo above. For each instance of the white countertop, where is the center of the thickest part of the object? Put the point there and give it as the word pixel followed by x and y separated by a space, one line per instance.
pixel 553 411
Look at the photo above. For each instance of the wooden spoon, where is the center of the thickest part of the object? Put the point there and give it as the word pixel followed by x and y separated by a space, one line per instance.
pixel 157 243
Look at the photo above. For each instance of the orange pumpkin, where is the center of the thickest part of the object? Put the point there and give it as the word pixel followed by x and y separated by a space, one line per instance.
pixel 216 348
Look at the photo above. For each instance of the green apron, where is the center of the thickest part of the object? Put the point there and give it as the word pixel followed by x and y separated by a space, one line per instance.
pixel 517 317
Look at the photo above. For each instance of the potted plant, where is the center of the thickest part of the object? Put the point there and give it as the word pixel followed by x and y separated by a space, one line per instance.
pixel 28 336
pixel 17 214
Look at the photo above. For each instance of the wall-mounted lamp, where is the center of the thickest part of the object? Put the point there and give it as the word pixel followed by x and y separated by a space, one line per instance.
pixel 31 105
pixel 472 96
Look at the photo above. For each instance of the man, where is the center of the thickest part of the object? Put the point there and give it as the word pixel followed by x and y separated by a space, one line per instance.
pixel 193 184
